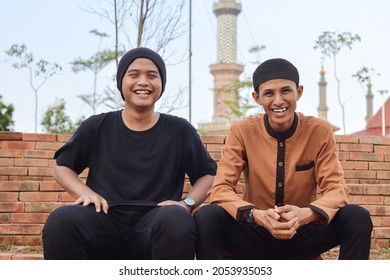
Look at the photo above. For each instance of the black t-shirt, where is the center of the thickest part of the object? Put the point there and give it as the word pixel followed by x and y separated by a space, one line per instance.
pixel 126 165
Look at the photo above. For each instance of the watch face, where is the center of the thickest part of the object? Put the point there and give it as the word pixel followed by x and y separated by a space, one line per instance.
pixel 189 201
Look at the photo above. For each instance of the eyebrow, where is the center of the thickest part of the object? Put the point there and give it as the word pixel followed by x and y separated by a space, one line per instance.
pixel 138 70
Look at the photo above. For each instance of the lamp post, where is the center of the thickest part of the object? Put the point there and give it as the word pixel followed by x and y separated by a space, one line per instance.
pixel 383 92
pixel 190 64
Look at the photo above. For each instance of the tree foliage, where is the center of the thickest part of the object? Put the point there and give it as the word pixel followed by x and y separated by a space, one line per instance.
pixel 56 121
pixel 39 71
pixel 6 111
pixel 330 44
pixel 96 63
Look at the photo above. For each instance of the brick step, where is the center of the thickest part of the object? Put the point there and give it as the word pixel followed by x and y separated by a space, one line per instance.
pixel 20 256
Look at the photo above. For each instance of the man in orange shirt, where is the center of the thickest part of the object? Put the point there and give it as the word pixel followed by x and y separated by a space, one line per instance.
pixel 285 157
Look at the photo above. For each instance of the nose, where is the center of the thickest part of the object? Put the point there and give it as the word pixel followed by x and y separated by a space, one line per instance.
pixel 143 80
pixel 278 99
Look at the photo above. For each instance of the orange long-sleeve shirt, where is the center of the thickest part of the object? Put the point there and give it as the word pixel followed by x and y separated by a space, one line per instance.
pixel 280 168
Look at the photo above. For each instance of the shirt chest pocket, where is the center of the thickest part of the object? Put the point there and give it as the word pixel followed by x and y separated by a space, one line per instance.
pixel 305 167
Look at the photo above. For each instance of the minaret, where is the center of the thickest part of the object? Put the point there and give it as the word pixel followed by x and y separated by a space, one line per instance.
pixel 226 70
pixel 369 98
pixel 322 108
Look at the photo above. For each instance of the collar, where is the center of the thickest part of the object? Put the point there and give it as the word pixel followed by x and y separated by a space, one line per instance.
pixel 281 135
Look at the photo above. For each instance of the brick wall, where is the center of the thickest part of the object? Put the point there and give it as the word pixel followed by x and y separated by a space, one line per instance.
pixel 28 193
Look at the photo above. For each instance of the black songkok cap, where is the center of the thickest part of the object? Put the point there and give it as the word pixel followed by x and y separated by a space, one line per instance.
pixel 132 55
pixel 276 68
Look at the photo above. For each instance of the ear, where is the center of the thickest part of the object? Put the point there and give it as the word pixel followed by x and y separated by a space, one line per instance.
pixel 299 92
pixel 256 97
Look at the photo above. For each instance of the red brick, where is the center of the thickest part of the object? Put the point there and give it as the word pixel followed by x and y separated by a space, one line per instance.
pixel 346 139
pixel 382 149
pixel 11 207
pixel 66 197
pixel 346 164
pixel 6 256
pixel 39 137
pixel 355 188
pixel 356 147
pixel 366 156
pixel 27 257
pixel 213 139
pixel 63 138
pixel 344 155
pixel 360 174
pixel 9 196
pixel 38 154
pixel 187 187
pixel 28 240
pixel 366 199
pixel 31 162
pixel 382 232
pixel 18 186
pixel 42 207
pixel 11 153
pixel 13 171
pixel 10 135
pixel 383 175
pixel 376 210
pixel 5 218
pixel 28 218
pixel 18 145
pixel 6 239
pixel 40 171
pixel 53 146
pixel 45 186
pixel 214 148
pixel 380 243
pixel 374 140
pixel 39 196
pixel 382 189
pixel 20 229
pixel 7 162
pixel 379 165
pixel 385 222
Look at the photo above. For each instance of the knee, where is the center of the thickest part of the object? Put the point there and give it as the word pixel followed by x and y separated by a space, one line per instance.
pixel 176 220
pixel 357 217
pixel 62 219
pixel 208 217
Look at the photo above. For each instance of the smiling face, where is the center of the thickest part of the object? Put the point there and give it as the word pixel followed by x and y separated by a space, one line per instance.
pixel 279 99
pixel 141 84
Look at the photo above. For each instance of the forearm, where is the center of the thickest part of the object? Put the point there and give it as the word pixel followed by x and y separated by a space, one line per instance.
pixel 69 180
pixel 199 191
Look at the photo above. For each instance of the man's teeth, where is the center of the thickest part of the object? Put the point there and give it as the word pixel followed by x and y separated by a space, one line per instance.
pixel 142 92
pixel 279 111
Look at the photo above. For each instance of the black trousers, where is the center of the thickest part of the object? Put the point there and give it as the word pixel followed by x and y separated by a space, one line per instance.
pixel 77 232
pixel 218 232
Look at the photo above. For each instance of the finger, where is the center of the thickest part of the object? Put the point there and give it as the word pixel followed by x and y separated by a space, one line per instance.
pixel 98 205
pixel 105 206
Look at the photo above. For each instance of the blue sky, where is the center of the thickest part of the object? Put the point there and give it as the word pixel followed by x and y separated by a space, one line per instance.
pixel 58 31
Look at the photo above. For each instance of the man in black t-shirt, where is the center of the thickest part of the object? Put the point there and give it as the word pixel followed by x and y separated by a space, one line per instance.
pixel 131 205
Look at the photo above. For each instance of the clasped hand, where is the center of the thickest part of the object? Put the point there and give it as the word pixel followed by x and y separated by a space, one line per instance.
pixel 282 222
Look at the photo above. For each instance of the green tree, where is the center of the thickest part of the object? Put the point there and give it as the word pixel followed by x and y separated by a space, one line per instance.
pixel 39 71
pixel 96 63
pixel 330 45
pixel 56 121
pixel 6 111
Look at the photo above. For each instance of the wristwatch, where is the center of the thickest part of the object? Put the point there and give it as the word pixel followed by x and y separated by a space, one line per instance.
pixel 250 219
pixel 190 203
